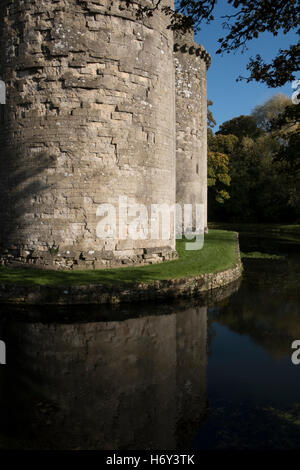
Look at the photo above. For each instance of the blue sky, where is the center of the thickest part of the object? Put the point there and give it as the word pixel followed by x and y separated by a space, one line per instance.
pixel 233 98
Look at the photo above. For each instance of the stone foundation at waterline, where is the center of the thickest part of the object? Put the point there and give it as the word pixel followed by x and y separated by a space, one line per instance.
pixel 25 291
pixel 89 117
pixel 115 294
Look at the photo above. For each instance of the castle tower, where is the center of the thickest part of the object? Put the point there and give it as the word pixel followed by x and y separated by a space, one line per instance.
pixel 89 118
pixel 191 64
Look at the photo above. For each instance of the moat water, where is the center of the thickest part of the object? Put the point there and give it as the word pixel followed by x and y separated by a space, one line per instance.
pixel 213 373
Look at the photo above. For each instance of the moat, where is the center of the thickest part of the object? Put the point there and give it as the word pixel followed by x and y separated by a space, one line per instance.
pixel 191 374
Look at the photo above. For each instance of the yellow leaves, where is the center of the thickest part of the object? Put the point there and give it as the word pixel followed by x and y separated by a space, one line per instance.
pixel 218 174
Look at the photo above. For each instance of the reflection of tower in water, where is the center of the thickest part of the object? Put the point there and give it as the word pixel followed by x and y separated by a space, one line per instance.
pixel 132 384
pixel 191 338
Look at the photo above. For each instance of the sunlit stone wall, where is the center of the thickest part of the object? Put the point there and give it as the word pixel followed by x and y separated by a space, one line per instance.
pixel 90 116
pixel 191 64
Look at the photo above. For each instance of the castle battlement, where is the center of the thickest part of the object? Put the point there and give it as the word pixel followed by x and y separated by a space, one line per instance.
pixel 191 64
pixel 193 49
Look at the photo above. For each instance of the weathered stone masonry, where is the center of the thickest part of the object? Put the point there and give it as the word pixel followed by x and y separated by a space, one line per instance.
pixel 191 64
pixel 90 116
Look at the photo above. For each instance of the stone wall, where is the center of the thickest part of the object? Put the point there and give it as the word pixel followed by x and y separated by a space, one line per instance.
pixel 191 64
pixel 89 117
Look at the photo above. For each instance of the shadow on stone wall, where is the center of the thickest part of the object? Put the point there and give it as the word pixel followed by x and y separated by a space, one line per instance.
pixel 21 187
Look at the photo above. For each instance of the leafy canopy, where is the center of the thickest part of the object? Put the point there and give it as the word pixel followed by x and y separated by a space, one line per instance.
pixel 264 164
pixel 265 113
pixel 241 126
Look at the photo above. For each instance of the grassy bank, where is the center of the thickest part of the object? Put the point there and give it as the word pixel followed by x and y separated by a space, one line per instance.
pixel 218 254
pixel 260 255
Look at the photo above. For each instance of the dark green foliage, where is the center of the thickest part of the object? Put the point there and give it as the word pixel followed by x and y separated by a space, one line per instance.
pixel 210 119
pixel 252 18
pixel 287 119
pixel 287 127
pixel 281 70
pixel 241 126
pixel 264 165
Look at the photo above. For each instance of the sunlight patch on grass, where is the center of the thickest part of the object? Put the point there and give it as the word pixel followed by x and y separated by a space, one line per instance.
pixel 218 254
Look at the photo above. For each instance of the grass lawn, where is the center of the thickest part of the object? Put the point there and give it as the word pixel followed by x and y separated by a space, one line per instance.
pixel 218 254
pixel 259 255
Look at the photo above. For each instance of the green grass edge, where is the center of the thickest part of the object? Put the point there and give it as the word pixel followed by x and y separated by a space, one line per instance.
pixel 220 252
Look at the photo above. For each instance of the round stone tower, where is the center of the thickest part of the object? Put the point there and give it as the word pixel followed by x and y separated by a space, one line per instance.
pixel 89 121
pixel 191 65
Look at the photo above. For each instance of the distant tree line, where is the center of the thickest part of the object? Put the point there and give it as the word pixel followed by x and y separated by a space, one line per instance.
pixel 254 165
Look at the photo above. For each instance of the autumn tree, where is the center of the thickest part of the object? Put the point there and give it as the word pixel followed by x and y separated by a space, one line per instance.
pixel 218 179
pixel 269 111
pixel 263 171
